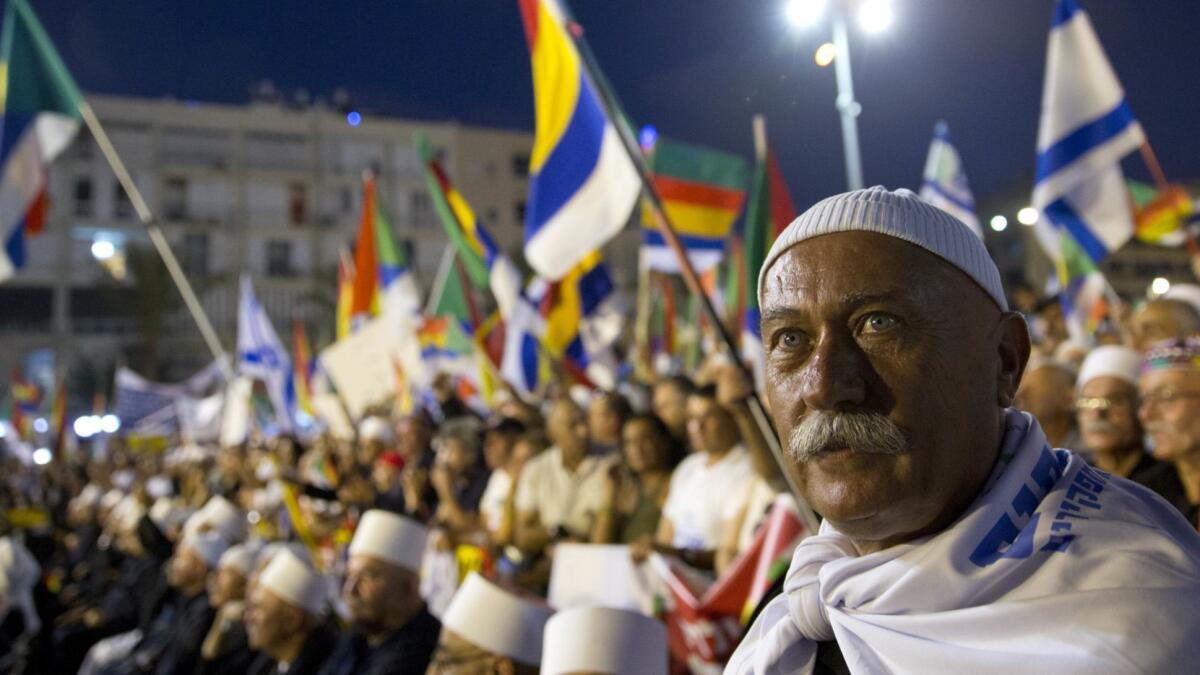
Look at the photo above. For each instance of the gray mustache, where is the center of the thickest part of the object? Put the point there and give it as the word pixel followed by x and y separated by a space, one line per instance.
pixel 862 432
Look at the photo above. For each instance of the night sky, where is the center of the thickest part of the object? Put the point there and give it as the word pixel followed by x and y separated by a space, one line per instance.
pixel 696 69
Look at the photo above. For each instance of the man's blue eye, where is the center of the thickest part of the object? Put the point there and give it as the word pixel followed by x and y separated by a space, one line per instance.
pixel 879 322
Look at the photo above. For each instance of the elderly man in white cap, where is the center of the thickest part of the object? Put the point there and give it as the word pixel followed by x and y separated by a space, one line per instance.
pixel 225 648
pixel 1107 412
pixel 489 629
pixel 285 618
pixel 393 631
pixel 955 539
pixel 171 643
pixel 605 641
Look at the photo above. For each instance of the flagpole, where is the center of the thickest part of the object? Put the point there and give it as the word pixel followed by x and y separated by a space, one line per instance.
pixel 157 238
pixel 690 277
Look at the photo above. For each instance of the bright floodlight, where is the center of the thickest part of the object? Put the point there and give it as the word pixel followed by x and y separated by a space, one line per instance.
pixel 804 13
pixel 825 54
pixel 40 425
pixel 109 424
pixel 41 456
pixel 874 16
pixel 88 425
pixel 1160 286
pixel 1027 215
pixel 103 249
pixel 999 223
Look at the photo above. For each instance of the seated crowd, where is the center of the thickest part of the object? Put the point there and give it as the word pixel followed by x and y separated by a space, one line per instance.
pixel 329 555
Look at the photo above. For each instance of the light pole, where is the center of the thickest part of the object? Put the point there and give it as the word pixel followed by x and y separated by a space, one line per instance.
pixel 873 16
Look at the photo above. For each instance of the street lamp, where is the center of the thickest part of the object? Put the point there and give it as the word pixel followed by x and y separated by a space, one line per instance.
pixel 874 16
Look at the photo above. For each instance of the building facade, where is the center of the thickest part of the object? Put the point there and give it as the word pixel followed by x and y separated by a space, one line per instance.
pixel 263 188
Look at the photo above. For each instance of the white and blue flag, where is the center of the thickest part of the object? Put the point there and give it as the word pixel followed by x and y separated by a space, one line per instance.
pixel 261 355
pixel 944 183
pixel 1086 128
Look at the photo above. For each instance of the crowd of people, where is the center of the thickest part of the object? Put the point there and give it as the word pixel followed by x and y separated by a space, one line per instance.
pixel 427 542
pixel 330 555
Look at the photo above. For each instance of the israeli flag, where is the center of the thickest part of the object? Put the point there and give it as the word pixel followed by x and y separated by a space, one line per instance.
pixel 1086 128
pixel 261 355
pixel 945 183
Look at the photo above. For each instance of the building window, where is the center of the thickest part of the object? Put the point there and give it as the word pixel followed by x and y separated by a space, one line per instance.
pixel 122 207
pixel 83 196
pixel 297 204
pixel 520 165
pixel 519 212
pixel 195 254
pixel 279 259
pixel 420 208
pixel 175 199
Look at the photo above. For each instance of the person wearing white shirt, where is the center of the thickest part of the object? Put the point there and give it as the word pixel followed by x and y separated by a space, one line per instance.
pixel 702 498
pixel 560 490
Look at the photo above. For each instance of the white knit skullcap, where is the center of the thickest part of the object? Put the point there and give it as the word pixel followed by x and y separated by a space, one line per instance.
pixel 391 538
pixel 294 582
pixel 900 214
pixel 497 621
pixel 604 640
pixel 210 546
pixel 1110 361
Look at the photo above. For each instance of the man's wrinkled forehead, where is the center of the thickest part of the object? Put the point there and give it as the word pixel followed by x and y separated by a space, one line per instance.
pixel 876 268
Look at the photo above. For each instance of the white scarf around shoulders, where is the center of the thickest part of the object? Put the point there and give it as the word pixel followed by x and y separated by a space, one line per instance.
pixel 1057 567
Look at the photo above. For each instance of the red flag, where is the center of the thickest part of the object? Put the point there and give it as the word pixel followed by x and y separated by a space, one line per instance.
pixel 707 619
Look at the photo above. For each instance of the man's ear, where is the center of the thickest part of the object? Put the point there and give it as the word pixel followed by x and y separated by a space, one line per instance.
pixel 1012 348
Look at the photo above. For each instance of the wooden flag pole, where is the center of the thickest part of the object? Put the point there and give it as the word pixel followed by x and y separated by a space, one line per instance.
pixel 157 238
pixel 690 277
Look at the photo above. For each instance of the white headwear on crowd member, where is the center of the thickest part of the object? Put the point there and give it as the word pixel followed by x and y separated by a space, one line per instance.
pixel 167 513
pixel 221 515
pixel 123 480
pixel 1110 361
pixel 239 557
pixel 391 538
pixel 89 496
pixel 497 620
pixel 271 548
pixel 375 429
pixel 126 513
pixel 210 546
pixel 158 487
pixel 19 574
pixel 604 640
pixel 1185 293
pixel 294 582
pixel 900 214
pixel 111 499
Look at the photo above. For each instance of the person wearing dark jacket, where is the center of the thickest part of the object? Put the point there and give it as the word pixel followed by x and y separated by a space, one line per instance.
pixel 171 643
pixel 393 631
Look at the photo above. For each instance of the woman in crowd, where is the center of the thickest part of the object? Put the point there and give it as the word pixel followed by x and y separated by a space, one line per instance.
pixel 637 488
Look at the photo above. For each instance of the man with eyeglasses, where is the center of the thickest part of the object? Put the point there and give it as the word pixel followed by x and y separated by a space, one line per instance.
pixel 1170 411
pixel 1107 413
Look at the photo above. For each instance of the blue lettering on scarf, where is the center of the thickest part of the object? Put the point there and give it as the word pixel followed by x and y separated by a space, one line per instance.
pixel 1083 495
pixel 1007 538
